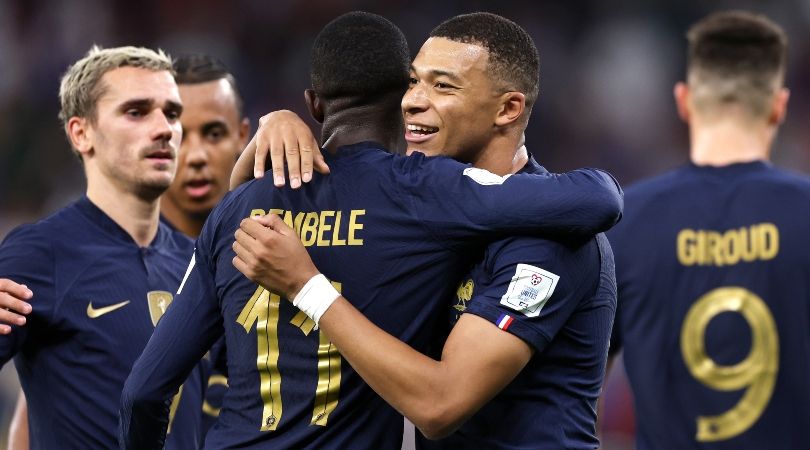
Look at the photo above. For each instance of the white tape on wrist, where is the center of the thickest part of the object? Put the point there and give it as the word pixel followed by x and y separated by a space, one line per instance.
pixel 316 297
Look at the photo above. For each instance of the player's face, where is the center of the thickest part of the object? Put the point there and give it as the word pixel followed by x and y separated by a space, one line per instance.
pixel 451 103
pixel 137 130
pixel 213 137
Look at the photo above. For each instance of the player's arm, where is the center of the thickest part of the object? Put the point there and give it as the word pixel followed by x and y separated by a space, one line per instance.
pixel 13 305
pixel 286 138
pixel 18 429
pixel 191 324
pixel 478 359
pixel 457 201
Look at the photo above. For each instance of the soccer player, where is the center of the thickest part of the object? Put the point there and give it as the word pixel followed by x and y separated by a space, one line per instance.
pixel 214 134
pixel 535 314
pixel 388 230
pixel 102 269
pixel 712 263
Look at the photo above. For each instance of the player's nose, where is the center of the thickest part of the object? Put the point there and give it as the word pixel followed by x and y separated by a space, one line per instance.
pixel 415 99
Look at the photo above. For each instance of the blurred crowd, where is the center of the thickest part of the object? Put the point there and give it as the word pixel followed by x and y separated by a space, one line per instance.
pixel 607 71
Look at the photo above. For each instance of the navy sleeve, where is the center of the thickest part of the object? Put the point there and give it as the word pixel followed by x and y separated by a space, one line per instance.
pixel 457 201
pixel 618 243
pixel 27 258
pixel 536 285
pixel 191 324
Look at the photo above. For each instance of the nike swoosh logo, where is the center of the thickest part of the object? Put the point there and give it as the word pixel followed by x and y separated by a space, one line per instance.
pixel 94 313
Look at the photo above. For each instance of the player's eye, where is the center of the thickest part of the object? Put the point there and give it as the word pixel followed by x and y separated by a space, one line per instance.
pixel 172 114
pixel 444 86
pixel 215 134
pixel 412 81
pixel 134 113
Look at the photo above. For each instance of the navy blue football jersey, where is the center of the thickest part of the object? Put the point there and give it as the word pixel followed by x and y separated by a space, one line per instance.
pixel 559 296
pixel 213 371
pixel 97 297
pixel 714 307
pixel 389 231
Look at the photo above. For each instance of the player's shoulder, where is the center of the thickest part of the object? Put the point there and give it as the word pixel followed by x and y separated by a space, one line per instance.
pixel 581 255
pixel 783 180
pixel 55 227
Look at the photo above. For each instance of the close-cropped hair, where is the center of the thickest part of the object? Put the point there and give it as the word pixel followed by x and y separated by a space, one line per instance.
pixel 359 56
pixel 196 68
pixel 81 85
pixel 736 57
pixel 514 64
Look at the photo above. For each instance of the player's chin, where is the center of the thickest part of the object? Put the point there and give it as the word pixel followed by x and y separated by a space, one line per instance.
pixel 155 185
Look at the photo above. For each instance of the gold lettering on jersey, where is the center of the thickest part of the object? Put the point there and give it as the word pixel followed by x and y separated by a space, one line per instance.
pixel 759 242
pixel 325 228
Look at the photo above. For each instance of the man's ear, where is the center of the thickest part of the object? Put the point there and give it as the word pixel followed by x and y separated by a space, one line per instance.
pixel 80 134
pixel 682 94
pixel 513 104
pixel 313 105
pixel 779 107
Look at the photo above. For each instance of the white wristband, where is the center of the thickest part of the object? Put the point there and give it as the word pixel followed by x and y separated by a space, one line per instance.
pixel 316 297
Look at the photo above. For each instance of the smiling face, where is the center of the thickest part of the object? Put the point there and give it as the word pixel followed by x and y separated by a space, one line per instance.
pixel 213 137
pixel 134 137
pixel 451 104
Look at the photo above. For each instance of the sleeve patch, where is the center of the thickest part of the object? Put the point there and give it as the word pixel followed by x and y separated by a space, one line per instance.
pixel 484 177
pixel 530 289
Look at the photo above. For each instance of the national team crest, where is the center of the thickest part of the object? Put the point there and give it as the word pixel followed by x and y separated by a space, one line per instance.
pixel 158 302
pixel 464 294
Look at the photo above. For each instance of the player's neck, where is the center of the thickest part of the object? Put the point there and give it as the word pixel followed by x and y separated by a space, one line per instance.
pixel 501 158
pixel 354 130
pixel 137 216
pixel 721 143
pixel 186 223
pixel 348 121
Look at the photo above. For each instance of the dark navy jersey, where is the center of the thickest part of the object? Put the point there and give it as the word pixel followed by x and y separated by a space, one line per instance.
pixel 559 296
pixel 389 231
pixel 97 296
pixel 714 307
pixel 213 371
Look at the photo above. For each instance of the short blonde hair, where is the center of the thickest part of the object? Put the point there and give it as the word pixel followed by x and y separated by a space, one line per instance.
pixel 81 85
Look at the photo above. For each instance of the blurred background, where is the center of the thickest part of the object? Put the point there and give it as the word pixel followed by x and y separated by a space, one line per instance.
pixel 607 71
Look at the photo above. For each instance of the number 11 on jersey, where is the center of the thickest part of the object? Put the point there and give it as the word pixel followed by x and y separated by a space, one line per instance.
pixel 262 311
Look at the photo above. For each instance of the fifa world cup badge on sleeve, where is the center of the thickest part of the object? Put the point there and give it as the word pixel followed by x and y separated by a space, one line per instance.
pixel 530 289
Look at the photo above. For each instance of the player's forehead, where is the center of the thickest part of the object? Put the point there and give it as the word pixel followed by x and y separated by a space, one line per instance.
pixel 125 84
pixel 444 56
pixel 210 100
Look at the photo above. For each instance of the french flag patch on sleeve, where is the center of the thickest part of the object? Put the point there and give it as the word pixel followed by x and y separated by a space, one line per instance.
pixel 504 321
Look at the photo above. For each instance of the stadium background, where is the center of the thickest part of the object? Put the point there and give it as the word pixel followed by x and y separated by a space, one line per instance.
pixel 607 70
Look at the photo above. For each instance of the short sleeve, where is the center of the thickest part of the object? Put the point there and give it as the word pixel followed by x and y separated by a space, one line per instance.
pixel 534 286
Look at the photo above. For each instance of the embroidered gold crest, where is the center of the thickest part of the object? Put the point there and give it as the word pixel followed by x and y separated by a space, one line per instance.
pixel 464 294
pixel 158 302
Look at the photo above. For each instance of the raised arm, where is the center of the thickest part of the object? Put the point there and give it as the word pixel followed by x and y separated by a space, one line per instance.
pixel 286 139
pixel 455 200
pixel 191 324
